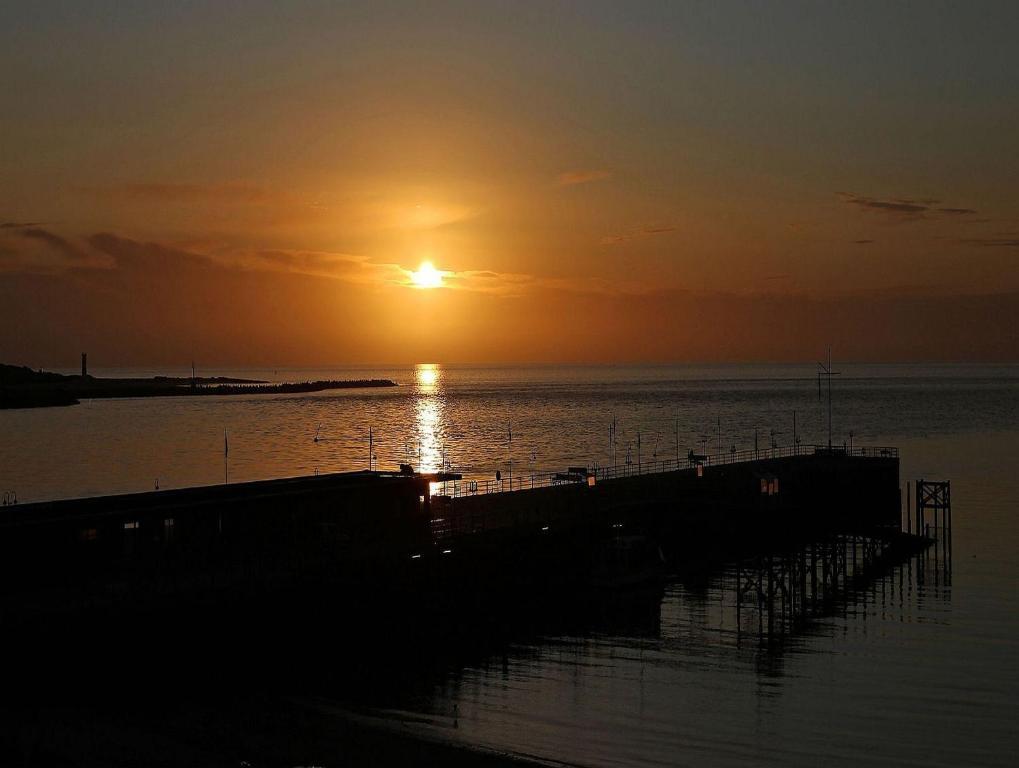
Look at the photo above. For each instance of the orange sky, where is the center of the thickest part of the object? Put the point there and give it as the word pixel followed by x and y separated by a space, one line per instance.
pixel 665 183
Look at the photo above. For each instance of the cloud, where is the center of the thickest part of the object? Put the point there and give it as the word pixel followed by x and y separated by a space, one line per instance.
pixel 899 207
pixel 572 178
pixel 335 266
pixel 991 242
pixel 33 250
pixel 904 208
pixel 636 234
pixel 30 248
pixel 358 269
pixel 487 281
pixel 517 284
pixel 863 242
pixel 306 262
pixel 113 260
pixel 19 224
pixel 61 245
pixel 136 255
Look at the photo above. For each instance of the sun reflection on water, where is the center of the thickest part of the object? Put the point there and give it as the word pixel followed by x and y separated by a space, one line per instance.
pixel 429 409
pixel 428 375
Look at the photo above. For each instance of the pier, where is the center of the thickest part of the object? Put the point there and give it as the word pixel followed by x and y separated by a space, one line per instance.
pixel 411 561
pixel 552 527
pixel 407 531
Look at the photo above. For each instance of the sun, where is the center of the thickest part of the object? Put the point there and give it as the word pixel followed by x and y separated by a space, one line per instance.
pixel 427 276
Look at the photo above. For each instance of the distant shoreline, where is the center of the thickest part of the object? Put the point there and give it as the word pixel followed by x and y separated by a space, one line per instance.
pixel 22 387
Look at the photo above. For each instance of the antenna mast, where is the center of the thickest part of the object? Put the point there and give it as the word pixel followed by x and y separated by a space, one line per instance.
pixel 827 371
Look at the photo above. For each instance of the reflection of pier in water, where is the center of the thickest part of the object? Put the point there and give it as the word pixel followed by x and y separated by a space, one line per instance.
pixel 755 610
pixel 767 603
pixel 698 622
pixel 775 593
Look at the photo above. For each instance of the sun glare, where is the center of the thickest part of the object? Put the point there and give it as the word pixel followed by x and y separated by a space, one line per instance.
pixel 427 276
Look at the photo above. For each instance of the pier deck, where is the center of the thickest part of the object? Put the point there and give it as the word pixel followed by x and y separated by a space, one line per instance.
pixel 778 491
pixel 530 480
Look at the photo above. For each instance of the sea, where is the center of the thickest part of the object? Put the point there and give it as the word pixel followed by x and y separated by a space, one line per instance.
pixel 920 666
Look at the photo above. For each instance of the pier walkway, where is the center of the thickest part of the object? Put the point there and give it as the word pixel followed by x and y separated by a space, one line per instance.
pixel 465 487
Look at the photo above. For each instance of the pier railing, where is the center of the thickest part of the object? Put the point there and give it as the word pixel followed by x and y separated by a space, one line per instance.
pixel 595 474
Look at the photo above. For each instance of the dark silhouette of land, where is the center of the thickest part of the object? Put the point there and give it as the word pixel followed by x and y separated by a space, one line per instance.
pixel 22 387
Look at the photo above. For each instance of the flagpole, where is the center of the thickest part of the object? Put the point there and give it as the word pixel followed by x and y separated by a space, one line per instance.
pixel 226 477
pixel 613 440
pixel 509 428
pixel 677 442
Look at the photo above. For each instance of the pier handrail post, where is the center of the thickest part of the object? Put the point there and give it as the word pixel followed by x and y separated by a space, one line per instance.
pixel 919 508
pixel 909 511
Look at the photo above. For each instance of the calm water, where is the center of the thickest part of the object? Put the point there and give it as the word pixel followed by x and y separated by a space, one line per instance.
pixel 908 672
pixel 466 418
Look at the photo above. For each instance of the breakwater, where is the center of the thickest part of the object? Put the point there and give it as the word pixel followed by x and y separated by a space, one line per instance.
pixel 25 388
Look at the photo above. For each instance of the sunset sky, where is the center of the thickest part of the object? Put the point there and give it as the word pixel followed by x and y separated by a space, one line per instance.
pixel 253 184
